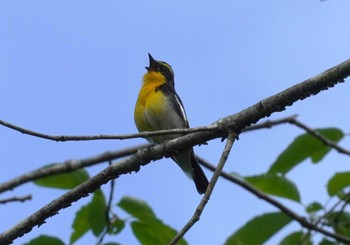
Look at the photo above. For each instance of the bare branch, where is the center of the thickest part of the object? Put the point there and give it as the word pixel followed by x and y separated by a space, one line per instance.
pixel 226 152
pixel 279 101
pixel 16 199
pixel 301 220
pixel 270 123
pixel 64 138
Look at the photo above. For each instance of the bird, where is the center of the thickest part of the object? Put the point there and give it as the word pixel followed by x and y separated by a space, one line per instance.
pixel 158 107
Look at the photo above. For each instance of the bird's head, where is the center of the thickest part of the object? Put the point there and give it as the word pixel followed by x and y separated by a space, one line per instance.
pixel 161 67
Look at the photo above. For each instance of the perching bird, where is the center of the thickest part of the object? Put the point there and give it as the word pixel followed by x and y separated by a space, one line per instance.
pixel 159 107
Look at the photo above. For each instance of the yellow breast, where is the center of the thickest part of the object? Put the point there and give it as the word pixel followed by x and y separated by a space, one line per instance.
pixel 150 103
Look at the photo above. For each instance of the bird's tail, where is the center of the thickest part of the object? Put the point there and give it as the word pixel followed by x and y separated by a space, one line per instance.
pixel 189 164
pixel 199 178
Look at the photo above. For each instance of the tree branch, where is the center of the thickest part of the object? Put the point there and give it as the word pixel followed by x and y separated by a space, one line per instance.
pixel 292 120
pixel 71 165
pixel 237 123
pixel 320 137
pixel 64 138
pixel 205 199
pixel 68 166
pixel 301 220
pixel 16 199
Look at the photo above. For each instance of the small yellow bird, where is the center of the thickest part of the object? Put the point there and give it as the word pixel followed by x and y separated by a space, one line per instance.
pixel 159 107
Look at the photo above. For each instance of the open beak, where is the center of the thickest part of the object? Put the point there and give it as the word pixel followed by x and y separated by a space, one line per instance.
pixel 152 63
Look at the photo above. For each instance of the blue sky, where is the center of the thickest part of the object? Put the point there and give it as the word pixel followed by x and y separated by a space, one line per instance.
pixel 75 68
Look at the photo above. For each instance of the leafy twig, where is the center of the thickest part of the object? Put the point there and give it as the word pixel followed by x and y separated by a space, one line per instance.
pixel 292 120
pixel 301 220
pixel 317 135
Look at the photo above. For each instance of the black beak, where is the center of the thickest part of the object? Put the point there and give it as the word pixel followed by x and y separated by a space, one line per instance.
pixel 152 63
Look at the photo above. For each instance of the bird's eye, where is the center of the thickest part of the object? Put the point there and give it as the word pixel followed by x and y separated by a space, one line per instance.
pixel 166 67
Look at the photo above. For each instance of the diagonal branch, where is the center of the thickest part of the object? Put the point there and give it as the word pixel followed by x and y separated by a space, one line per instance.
pixel 301 220
pixel 320 137
pixel 280 101
pixel 292 120
pixel 67 166
pixel 226 152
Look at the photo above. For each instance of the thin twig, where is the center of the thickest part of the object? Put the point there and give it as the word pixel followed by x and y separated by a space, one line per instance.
pixel 108 209
pixel 226 152
pixel 331 210
pixel 64 138
pixel 319 136
pixel 270 123
pixel 16 199
pixel 301 220
pixel 292 120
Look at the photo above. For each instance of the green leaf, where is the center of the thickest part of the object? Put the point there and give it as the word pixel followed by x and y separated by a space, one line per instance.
pixel 303 147
pixel 117 226
pixel 327 242
pixel 135 207
pixel 314 207
pixel 154 231
pixel 148 229
pixel 340 222
pixel 97 213
pixel 81 224
pixel 276 185
pixel 263 227
pixel 65 180
pixel 90 217
pixel 338 182
pixel 296 238
pixel 44 240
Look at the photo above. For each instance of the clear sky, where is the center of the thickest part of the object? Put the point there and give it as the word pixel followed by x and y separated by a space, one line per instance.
pixel 75 68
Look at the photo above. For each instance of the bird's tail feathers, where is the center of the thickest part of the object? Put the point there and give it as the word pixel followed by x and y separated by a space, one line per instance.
pixel 198 176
